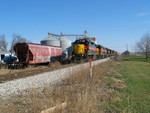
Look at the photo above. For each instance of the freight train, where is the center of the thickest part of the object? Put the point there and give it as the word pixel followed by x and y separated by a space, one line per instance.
pixel 85 49
pixel 81 49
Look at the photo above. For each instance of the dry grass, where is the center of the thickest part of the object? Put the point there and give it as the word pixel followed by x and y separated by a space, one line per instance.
pixel 81 93
pixel 8 71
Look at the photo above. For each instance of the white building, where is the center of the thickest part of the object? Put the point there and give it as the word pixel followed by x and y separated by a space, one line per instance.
pixel 3 53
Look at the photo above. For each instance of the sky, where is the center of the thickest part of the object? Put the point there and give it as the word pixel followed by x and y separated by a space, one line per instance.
pixel 115 23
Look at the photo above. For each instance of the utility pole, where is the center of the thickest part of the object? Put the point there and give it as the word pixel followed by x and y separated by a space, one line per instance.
pixel 127 47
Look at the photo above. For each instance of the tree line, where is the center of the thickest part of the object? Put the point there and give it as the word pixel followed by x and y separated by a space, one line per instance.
pixel 15 39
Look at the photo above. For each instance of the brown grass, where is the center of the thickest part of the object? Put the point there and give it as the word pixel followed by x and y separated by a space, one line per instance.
pixel 81 93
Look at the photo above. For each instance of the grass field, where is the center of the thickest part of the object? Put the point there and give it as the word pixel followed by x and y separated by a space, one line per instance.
pixel 136 97
pixel 135 58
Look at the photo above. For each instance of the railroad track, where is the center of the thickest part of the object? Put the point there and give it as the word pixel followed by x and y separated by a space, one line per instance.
pixel 31 71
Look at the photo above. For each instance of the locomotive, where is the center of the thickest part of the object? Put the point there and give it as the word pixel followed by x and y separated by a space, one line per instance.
pixel 87 49
pixel 84 49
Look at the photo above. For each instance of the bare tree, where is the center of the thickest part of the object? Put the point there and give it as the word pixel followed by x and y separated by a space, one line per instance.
pixel 144 45
pixel 3 42
pixel 17 39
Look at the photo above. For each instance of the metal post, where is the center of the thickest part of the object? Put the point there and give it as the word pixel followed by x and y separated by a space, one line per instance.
pixel 90 68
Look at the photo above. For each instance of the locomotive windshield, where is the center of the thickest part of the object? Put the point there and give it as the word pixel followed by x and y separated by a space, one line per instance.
pixel 81 41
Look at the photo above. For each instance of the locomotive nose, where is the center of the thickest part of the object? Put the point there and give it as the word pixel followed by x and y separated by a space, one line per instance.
pixel 79 49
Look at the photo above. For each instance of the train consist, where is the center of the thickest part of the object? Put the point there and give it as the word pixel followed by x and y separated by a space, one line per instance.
pixel 53 49
pixel 84 49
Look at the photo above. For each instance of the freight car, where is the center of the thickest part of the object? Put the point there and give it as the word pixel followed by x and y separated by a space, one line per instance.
pixel 31 53
pixel 63 42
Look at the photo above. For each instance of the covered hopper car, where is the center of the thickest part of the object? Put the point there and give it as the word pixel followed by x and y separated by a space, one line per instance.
pixel 31 53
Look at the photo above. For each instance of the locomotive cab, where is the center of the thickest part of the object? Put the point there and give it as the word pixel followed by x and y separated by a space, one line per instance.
pixel 84 49
pixel 79 49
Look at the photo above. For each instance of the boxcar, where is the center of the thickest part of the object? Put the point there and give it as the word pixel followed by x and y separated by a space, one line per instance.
pixel 31 53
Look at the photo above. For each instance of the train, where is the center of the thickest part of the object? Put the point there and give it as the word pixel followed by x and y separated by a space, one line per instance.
pixel 80 50
pixel 85 49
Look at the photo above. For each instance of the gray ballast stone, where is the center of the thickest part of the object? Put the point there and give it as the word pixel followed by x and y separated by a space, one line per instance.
pixel 18 86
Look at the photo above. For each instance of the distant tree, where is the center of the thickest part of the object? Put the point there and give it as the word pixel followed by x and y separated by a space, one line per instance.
pixel 17 39
pixel 144 45
pixel 3 42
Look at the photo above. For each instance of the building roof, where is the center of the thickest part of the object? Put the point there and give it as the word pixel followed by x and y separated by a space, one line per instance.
pixel 126 52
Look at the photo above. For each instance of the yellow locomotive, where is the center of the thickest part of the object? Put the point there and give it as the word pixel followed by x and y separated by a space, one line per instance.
pixel 84 49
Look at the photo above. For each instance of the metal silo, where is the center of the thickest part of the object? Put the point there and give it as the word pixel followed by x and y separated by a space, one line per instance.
pixel 66 46
pixel 50 40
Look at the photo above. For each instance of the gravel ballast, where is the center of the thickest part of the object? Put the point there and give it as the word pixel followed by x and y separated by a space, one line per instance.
pixel 17 86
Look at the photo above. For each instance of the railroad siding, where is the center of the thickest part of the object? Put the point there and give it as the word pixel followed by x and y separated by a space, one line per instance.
pixel 18 86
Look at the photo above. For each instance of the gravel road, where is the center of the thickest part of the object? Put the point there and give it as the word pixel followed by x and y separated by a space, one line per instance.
pixel 18 86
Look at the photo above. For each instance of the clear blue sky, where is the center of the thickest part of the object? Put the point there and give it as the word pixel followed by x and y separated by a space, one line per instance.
pixel 115 23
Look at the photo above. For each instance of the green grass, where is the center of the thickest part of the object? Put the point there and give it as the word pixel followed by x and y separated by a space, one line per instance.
pixel 136 97
pixel 136 58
